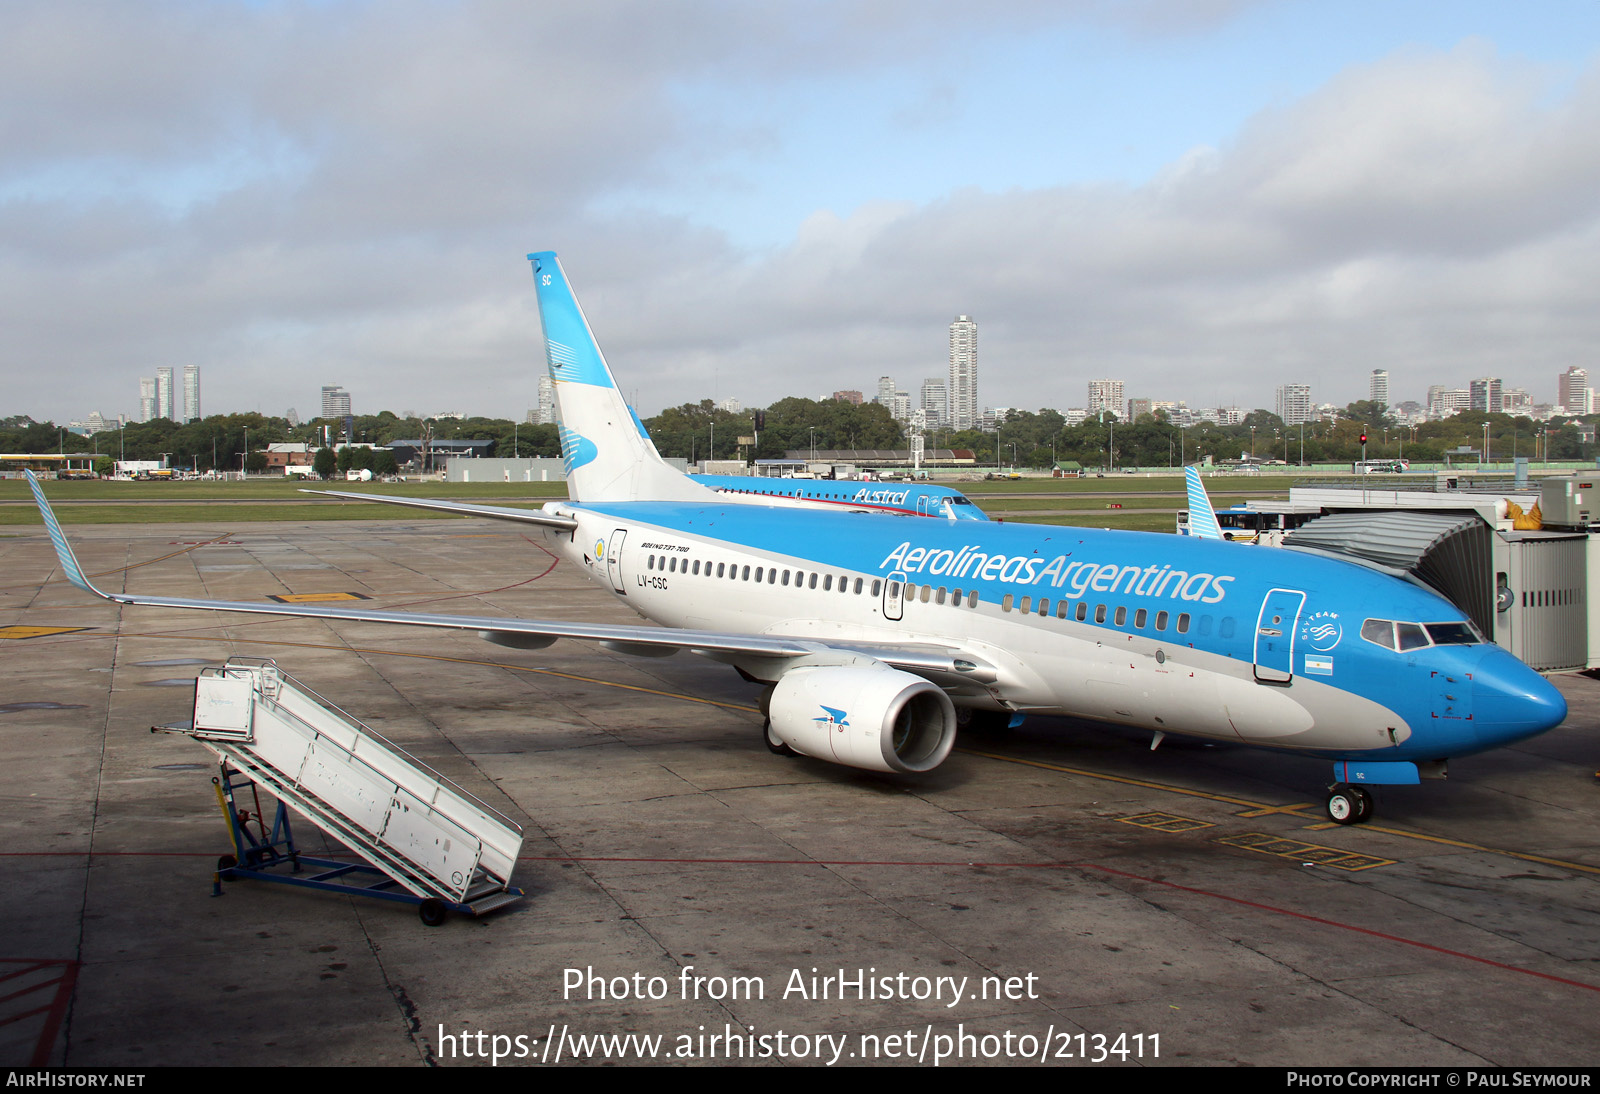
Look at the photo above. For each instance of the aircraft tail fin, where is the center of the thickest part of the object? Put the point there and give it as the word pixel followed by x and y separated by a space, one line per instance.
pixel 608 454
pixel 1202 517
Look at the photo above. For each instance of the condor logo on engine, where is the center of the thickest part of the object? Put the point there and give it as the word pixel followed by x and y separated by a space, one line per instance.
pixel 832 717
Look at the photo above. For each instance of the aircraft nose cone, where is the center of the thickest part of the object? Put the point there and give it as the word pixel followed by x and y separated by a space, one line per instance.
pixel 1510 701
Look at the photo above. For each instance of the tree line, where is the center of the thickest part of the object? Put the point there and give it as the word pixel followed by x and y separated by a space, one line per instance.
pixel 699 431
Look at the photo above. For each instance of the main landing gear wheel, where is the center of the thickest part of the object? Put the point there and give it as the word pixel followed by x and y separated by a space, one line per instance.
pixel 1349 805
pixel 775 743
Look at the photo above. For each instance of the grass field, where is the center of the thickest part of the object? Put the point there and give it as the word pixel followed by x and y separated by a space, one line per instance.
pixel 229 502
pixel 1081 502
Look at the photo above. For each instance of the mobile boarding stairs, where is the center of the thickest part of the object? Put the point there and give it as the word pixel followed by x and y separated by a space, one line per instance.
pixel 425 841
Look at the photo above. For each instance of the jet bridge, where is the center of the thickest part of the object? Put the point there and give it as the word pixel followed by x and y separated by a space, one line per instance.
pixel 1525 590
pixel 431 843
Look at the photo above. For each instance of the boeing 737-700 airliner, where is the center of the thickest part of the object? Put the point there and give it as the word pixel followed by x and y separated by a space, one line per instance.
pixel 870 631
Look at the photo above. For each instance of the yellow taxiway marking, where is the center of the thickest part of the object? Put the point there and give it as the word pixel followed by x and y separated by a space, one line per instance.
pixel 1296 809
pixel 315 598
pixel 1166 822
pixel 20 632
pixel 1399 833
pixel 1301 851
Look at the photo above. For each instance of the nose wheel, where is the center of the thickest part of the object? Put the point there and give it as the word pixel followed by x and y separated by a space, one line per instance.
pixel 1349 804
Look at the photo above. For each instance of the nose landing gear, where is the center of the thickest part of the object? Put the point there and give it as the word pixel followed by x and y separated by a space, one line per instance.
pixel 1348 804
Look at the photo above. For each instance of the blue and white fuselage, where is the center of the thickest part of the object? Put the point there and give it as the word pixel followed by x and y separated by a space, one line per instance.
pixel 1171 635
pixel 912 499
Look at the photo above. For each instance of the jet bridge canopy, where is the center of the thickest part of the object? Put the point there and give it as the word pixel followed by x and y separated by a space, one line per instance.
pixel 1453 552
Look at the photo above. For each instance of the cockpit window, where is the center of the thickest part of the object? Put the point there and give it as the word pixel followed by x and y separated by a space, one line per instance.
pixel 1453 634
pixel 1412 636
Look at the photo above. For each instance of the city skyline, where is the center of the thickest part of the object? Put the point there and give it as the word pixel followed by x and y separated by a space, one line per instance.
pixel 1292 402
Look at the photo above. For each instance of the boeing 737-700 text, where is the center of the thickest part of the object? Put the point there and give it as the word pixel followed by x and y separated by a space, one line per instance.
pixel 870 632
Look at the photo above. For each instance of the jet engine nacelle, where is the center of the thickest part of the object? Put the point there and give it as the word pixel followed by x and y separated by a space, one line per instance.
pixel 863 714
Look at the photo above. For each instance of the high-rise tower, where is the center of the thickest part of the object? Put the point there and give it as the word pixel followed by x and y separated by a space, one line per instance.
pixel 1572 390
pixel 164 395
pixel 191 393
pixel 1378 390
pixel 1294 403
pixel 963 391
pixel 335 401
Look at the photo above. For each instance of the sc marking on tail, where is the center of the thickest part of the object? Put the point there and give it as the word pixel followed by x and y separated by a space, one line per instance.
pixel 907 623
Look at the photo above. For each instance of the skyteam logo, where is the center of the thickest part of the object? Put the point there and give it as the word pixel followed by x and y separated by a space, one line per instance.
pixel 832 717
pixel 1321 631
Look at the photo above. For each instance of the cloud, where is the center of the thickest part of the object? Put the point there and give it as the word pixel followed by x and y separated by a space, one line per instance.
pixel 302 193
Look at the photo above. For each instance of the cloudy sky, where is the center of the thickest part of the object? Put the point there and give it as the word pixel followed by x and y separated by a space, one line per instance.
pixel 1204 198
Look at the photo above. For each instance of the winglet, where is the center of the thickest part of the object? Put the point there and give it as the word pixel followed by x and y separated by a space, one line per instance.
pixel 64 555
pixel 1202 517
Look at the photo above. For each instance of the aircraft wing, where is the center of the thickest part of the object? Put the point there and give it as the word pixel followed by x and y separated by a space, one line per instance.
pixel 493 512
pixel 537 633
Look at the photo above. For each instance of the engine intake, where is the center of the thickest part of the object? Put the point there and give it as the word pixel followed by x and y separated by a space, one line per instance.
pixel 864 715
